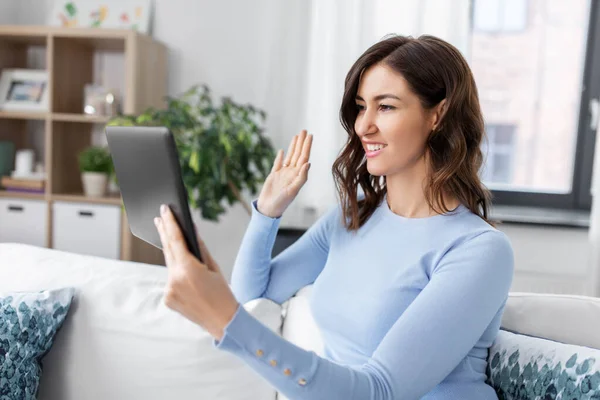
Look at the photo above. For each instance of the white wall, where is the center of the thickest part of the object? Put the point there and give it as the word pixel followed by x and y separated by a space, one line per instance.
pixel 550 259
pixel 228 45
pixel 8 12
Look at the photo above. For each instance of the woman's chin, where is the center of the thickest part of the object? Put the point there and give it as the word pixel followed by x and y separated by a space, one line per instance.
pixel 375 169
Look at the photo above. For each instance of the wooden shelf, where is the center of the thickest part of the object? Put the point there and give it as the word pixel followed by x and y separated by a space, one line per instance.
pixel 80 198
pixel 66 117
pixel 43 30
pixel 23 115
pixel 80 118
pixel 69 55
pixel 102 39
pixel 19 195
pixel 20 34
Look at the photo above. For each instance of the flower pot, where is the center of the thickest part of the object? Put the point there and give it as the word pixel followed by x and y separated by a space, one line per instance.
pixel 94 183
pixel 113 188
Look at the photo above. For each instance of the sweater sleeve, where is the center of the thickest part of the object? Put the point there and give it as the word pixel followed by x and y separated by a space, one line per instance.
pixel 256 274
pixel 467 288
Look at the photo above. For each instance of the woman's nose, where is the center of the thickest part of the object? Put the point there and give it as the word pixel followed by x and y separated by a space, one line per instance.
pixel 365 124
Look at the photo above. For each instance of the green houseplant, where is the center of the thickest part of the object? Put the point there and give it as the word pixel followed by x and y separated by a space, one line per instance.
pixel 222 147
pixel 95 165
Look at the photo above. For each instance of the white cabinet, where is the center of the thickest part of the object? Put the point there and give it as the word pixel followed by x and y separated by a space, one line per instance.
pixel 23 221
pixel 87 229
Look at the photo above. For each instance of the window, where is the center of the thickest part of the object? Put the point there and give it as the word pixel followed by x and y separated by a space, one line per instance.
pixel 535 87
pixel 500 15
pixel 499 151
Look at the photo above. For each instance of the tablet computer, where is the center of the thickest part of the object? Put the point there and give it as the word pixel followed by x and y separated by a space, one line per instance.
pixel 148 172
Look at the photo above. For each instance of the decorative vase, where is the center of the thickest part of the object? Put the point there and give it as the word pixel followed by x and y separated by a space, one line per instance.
pixel 94 183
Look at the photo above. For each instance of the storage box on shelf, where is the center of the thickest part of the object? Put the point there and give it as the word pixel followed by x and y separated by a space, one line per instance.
pixel 53 218
pixel 23 221
pixel 87 228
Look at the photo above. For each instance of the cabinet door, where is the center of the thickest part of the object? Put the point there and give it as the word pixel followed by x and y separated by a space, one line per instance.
pixel 23 221
pixel 87 229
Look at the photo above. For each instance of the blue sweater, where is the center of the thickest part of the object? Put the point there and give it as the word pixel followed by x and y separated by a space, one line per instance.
pixel 407 307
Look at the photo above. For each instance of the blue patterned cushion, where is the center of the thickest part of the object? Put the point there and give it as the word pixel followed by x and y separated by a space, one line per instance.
pixel 527 368
pixel 28 324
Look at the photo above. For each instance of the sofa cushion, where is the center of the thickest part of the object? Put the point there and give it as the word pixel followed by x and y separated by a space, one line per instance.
pixel 28 324
pixel 300 327
pixel 524 367
pixel 120 341
pixel 563 318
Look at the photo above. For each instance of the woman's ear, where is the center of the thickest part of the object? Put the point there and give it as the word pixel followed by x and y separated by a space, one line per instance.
pixel 438 113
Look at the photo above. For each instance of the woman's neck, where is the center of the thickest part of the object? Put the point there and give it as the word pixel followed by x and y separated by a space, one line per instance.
pixel 406 193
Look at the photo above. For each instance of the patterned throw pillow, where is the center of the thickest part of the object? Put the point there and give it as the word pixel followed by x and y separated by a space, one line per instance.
pixel 28 324
pixel 523 367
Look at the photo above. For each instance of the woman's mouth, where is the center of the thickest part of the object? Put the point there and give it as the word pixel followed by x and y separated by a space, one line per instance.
pixel 372 150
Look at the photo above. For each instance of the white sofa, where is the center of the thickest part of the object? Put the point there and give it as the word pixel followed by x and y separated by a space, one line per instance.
pixel 119 341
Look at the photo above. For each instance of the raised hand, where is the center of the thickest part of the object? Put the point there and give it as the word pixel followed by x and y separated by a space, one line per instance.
pixel 287 177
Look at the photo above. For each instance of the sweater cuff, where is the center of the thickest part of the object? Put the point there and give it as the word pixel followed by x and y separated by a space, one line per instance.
pixel 262 223
pixel 227 342
pixel 246 337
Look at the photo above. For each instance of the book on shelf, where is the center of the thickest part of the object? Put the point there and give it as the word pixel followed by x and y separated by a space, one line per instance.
pixel 12 184
pixel 21 190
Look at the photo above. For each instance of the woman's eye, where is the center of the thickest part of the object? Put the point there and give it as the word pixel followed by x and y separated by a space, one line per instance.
pixel 360 107
pixel 385 107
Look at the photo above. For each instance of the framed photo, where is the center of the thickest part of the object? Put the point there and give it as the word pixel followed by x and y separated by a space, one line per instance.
pixel 24 90
pixel 115 14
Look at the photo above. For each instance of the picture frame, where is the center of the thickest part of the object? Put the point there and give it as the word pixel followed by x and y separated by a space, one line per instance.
pixel 24 90
pixel 111 14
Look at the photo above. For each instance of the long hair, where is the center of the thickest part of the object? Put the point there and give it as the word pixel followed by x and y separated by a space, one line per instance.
pixel 435 70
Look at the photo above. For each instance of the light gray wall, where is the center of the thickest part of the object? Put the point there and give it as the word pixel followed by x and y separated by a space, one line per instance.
pixel 228 44
pixel 550 259
pixel 8 12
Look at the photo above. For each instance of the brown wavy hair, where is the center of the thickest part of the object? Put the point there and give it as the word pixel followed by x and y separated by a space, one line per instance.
pixel 435 70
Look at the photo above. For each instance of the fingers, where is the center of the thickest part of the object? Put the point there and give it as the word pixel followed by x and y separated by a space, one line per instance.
pixel 298 149
pixel 174 236
pixel 300 180
pixel 208 259
pixel 164 240
pixel 203 249
pixel 290 152
pixel 278 161
pixel 305 155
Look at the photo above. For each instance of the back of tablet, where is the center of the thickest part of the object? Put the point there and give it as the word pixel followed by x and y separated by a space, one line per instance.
pixel 148 173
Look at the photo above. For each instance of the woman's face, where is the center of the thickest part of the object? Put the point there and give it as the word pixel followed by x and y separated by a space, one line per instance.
pixel 391 123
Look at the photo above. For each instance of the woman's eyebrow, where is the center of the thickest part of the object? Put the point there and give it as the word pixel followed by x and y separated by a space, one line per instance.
pixel 381 97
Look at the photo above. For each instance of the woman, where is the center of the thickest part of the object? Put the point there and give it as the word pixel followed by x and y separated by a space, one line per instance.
pixel 410 281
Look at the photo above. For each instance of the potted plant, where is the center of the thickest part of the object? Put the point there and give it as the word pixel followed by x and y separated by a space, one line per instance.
pixel 95 165
pixel 222 148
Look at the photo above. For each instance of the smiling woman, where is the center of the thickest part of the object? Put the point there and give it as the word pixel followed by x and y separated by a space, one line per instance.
pixel 409 282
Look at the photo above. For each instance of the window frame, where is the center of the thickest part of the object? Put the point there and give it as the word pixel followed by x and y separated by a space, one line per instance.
pixel 580 197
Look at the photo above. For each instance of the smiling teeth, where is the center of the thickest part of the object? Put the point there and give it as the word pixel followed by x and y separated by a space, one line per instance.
pixel 375 147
